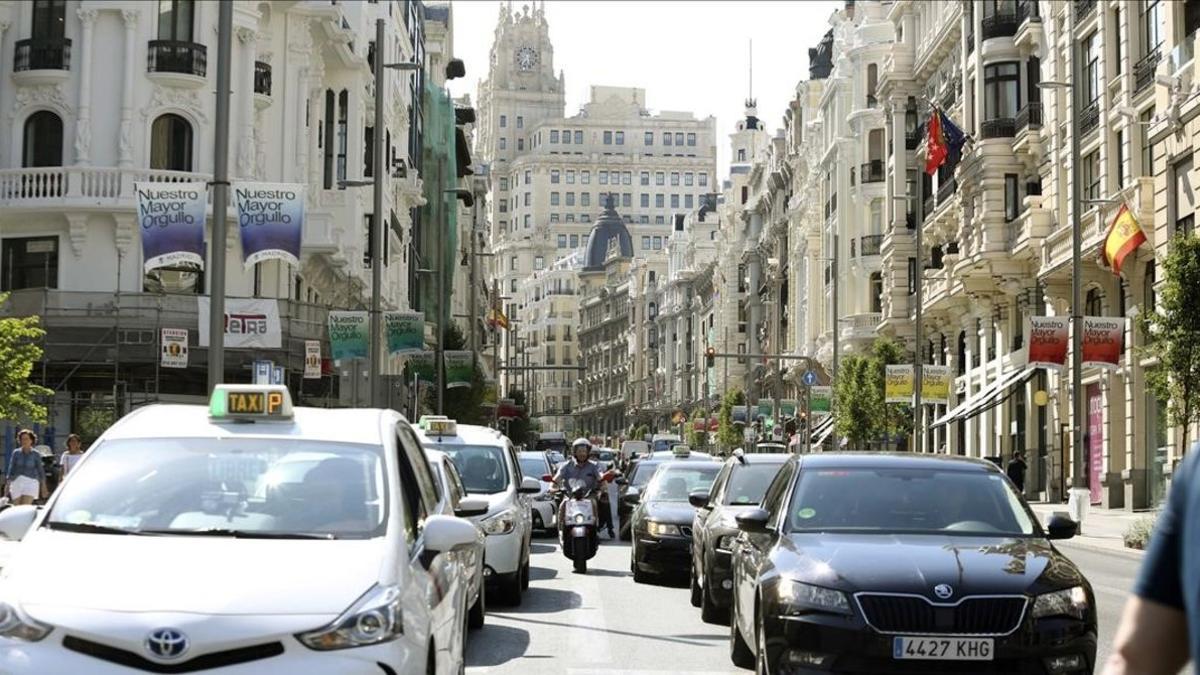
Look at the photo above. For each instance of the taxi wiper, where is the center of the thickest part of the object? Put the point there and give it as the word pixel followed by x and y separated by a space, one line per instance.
pixel 91 528
pixel 243 534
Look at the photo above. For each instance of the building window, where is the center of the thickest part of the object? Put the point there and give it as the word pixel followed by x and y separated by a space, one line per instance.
pixel 660 200
pixel 578 138
pixel 626 200
pixel 644 219
pixel 525 221
pixel 688 179
pixel 570 217
pixel 627 178
pixel 1001 90
pixel 1091 175
pixel 1147 158
pixel 741 154
pixel 679 139
pixel 667 138
pixel 691 139
pixel 528 176
pixel 504 184
pixel 512 264
pixel 674 178
pixel 649 138
pixel 574 241
pixel 1122 159
pixel 620 138
pixel 1150 299
pixel 528 198
pixel 503 143
pixel 570 199
pixel 49 20
pixel 660 178
pixel 539 263
pixel 570 178
pixel 876 292
pixel 674 201
pixel 1152 26
pixel 703 180
pixel 645 243
pixel 566 137
pixel 608 138
pixel 603 177
pixel 29 262
pixel 554 199
pixel 645 178
pixel 1091 68
pixel 175 20
pixel 554 136
pixel 1093 304
pixel 512 285
pixel 585 199
pixel 1012 197
pixel 520 122
pixel 43 141
pixel 688 201
pixel 1183 199
pixel 658 243
pixel 645 200
pixel 554 176
pixel 520 144
pixel 503 121
pixel 585 177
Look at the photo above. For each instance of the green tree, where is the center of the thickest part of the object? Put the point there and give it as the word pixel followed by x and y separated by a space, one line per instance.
pixel 729 435
pixel 464 404
pixel 20 349
pixel 861 415
pixel 1172 334
pixel 695 438
pixel 897 419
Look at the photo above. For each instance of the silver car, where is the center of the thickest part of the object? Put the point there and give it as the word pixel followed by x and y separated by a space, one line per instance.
pixel 536 465
pixel 453 501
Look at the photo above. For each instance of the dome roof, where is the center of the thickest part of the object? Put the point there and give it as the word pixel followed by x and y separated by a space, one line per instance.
pixel 608 226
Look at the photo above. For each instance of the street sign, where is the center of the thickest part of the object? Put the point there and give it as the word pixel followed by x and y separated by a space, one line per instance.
pixel 809 379
pixel 263 371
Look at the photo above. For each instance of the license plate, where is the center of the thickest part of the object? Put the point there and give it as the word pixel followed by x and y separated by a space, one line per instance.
pixel 943 649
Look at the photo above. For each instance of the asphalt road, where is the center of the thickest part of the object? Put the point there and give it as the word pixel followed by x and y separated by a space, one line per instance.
pixel 603 623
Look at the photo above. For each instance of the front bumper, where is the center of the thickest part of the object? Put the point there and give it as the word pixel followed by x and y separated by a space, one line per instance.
pixel 852 647
pixel 504 552
pixel 718 573
pixel 660 555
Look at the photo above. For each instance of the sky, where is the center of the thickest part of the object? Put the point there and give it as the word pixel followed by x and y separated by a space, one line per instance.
pixel 688 55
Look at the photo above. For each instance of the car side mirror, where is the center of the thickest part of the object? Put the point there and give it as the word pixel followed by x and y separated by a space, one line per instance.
pixel 530 486
pixel 470 508
pixel 622 481
pixel 631 498
pixel 753 521
pixel 698 499
pixel 15 521
pixel 1061 527
pixel 448 533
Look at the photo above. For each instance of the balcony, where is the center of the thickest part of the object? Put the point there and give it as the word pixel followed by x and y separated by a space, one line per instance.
pixel 872 171
pixel 946 190
pixel 928 206
pixel 58 187
pixel 912 139
pixel 1030 116
pixel 872 101
pixel 262 78
pixel 861 326
pixel 1089 118
pixel 1143 71
pixel 1084 9
pixel 999 25
pixel 1027 10
pixel 1001 127
pixel 871 244
pixel 42 55
pixel 184 63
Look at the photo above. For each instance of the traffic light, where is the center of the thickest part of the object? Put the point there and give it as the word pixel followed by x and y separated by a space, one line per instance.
pixel 710 357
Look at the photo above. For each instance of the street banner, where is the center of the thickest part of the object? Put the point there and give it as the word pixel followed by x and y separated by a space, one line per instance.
pixel 277 374
pixel 262 372
pixel 460 366
pixel 1103 340
pixel 765 408
pixel 171 219
pixel 507 409
pixel 250 323
pixel 424 366
pixel 270 218
pixel 738 414
pixel 822 401
pixel 174 348
pixel 1048 341
pixel 405 332
pixel 699 424
pixel 312 359
pixel 898 386
pixel 935 384
pixel 348 335
pixel 787 408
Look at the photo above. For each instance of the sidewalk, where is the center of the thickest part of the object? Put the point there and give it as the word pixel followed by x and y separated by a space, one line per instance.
pixel 1102 530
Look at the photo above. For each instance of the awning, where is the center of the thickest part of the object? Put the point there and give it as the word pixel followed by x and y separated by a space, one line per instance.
pixel 984 399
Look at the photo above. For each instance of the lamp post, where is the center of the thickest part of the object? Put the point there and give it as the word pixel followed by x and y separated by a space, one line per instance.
pixel 216 264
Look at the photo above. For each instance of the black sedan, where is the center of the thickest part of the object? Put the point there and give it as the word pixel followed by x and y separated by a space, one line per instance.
pixel 739 488
pixel 866 563
pixel 638 476
pixel 661 525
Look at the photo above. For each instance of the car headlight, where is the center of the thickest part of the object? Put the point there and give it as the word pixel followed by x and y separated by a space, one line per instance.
pixel 501 523
pixel 15 625
pixel 725 542
pixel 374 618
pixel 1067 602
pixel 798 598
pixel 662 529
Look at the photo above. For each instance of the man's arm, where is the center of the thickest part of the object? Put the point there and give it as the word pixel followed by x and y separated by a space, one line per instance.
pixel 1152 640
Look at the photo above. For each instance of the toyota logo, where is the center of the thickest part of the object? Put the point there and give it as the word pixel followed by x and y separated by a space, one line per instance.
pixel 943 591
pixel 167 643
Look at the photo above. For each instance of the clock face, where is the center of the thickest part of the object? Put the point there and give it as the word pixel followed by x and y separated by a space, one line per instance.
pixel 527 58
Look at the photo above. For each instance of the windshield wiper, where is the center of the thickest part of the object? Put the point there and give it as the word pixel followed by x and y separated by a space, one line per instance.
pixel 243 534
pixel 91 528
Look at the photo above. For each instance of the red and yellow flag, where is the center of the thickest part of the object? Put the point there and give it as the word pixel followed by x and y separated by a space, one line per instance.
pixel 1124 236
pixel 497 318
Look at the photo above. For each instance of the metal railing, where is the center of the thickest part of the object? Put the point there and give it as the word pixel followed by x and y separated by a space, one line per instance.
pixel 946 190
pixel 42 54
pixel 1001 127
pixel 872 171
pixel 1083 9
pixel 1027 10
pixel 262 78
pixel 999 25
pixel 1030 116
pixel 1089 117
pixel 1143 71
pixel 176 56
pixel 871 244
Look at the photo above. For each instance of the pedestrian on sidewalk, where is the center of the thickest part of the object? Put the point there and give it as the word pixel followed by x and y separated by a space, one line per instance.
pixel 25 474
pixel 1016 471
pixel 1160 628
pixel 71 456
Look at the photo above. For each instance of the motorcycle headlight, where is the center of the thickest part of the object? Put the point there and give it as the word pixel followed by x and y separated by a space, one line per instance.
pixel 501 523
pixel 579 518
pixel 799 598
pixel 16 625
pixel 374 618
pixel 1067 602
pixel 725 543
pixel 662 529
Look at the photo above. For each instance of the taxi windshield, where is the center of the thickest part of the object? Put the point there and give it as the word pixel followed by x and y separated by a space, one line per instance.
pixel 240 486
pixel 675 483
pixel 748 483
pixel 482 467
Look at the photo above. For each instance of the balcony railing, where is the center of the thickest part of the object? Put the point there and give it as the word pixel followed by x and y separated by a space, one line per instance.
pixel 262 78
pixel 946 190
pixel 1182 55
pixel 1028 10
pixel 1089 118
pixel 872 171
pixel 1083 9
pixel 42 54
pixel 93 186
pixel 1143 71
pixel 1030 116
pixel 1002 127
pixel 871 244
pixel 175 56
pixel 999 25
pixel 929 205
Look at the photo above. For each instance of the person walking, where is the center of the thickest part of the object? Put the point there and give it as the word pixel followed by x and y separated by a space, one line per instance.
pixel 1160 628
pixel 1016 471
pixel 70 457
pixel 25 474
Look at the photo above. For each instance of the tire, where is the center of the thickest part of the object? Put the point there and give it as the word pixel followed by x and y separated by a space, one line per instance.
pixel 696 590
pixel 525 575
pixel 626 532
pixel 709 611
pixel 538 525
pixel 762 661
pixel 431 660
pixel 581 566
pixel 510 591
pixel 475 616
pixel 739 651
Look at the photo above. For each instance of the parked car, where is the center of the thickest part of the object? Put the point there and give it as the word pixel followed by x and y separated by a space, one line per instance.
pixel 877 563
pixel 535 465
pixel 454 501
pixel 661 524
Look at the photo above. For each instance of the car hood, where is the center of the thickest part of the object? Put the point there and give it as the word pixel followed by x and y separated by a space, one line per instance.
pixel 669 512
pixel 201 575
pixel 917 563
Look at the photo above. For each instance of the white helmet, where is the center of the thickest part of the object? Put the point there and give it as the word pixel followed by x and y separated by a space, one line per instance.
pixel 581 441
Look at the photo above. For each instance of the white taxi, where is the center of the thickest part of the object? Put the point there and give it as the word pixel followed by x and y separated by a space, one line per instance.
pixel 453 499
pixel 248 537
pixel 488 466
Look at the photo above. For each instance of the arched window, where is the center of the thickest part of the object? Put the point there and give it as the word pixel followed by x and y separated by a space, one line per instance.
pixel 1093 305
pixel 43 142
pixel 171 144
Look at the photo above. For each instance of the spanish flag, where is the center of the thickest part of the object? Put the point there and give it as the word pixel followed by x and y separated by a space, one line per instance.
pixel 1124 236
pixel 497 318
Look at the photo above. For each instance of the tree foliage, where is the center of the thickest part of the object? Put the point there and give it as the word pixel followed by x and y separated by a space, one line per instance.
pixel 729 435
pixel 696 438
pixel 20 349
pixel 1172 334
pixel 861 415
pixel 464 404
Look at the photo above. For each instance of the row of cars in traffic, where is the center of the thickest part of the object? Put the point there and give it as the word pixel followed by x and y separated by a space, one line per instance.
pixel 864 563
pixel 266 538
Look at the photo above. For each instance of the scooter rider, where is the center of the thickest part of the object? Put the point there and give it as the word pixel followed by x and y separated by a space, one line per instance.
pixel 582 468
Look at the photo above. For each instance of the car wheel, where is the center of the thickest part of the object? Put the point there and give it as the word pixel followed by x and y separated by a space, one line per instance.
pixel 695 590
pixel 709 611
pixel 525 575
pixel 478 610
pixel 763 661
pixel 537 522
pixel 739 651
pixel 510 590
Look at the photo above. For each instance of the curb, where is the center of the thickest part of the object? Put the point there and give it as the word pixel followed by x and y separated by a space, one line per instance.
pixel 1131 553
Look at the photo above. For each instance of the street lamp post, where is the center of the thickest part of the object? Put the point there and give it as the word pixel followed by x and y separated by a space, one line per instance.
pixel 216 263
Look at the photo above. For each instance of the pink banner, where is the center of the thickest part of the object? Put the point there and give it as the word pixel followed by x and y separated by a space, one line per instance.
pixel 1048 341
pixel 1095 440
pixel 1103 340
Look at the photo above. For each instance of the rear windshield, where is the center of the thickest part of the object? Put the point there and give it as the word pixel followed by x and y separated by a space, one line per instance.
pixel 748 483
pixel 534 467
pixel 642 473
pixel 481 467
pixel 674 482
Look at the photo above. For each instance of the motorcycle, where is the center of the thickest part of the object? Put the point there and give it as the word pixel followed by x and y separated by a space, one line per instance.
pixel 577 525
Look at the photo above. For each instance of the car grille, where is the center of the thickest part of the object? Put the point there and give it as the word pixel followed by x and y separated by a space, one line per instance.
pixel 916 615
pixel 124 657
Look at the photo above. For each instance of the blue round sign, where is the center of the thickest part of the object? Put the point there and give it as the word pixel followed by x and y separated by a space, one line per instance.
pixel 810 378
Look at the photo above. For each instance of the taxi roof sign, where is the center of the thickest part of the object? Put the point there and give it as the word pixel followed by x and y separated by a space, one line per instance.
pixel 423 421
pixel 442 426
pixel 681 450
pixel 250 402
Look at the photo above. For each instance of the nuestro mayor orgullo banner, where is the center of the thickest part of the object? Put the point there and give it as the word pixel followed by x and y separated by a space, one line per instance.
pixel 898 386
pixel 822 400
pixel 348 333
pixel 171 219
pixel 271 219
pixel 1048 341
pixel 1103 340
pixel 460 366
pixel 935 384
pixel 423 365
pixel 405 332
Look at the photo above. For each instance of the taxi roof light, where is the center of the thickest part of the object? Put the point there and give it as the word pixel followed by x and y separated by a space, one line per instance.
pixel 424 420
pixel 443 426
pixel 250 403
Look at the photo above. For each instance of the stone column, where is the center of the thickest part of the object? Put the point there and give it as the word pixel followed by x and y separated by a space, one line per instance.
pixel 245 158
pixel 83 121
pixel 125 156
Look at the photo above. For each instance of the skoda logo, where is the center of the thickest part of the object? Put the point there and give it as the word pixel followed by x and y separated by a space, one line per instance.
pixel 943 591
pixel 167 643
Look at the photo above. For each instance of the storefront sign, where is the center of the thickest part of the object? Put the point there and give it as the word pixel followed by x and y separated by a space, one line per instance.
pixel 898 386
pixel 460 367
pixel 1103 340
pixel 250 323
pixel 171 220
pixel 271 219
pixel 935 384
pixel 174 348
pixel 348 335
pixel 405 332
pixel 822 401
pixel 1048 341
pixel 312 359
